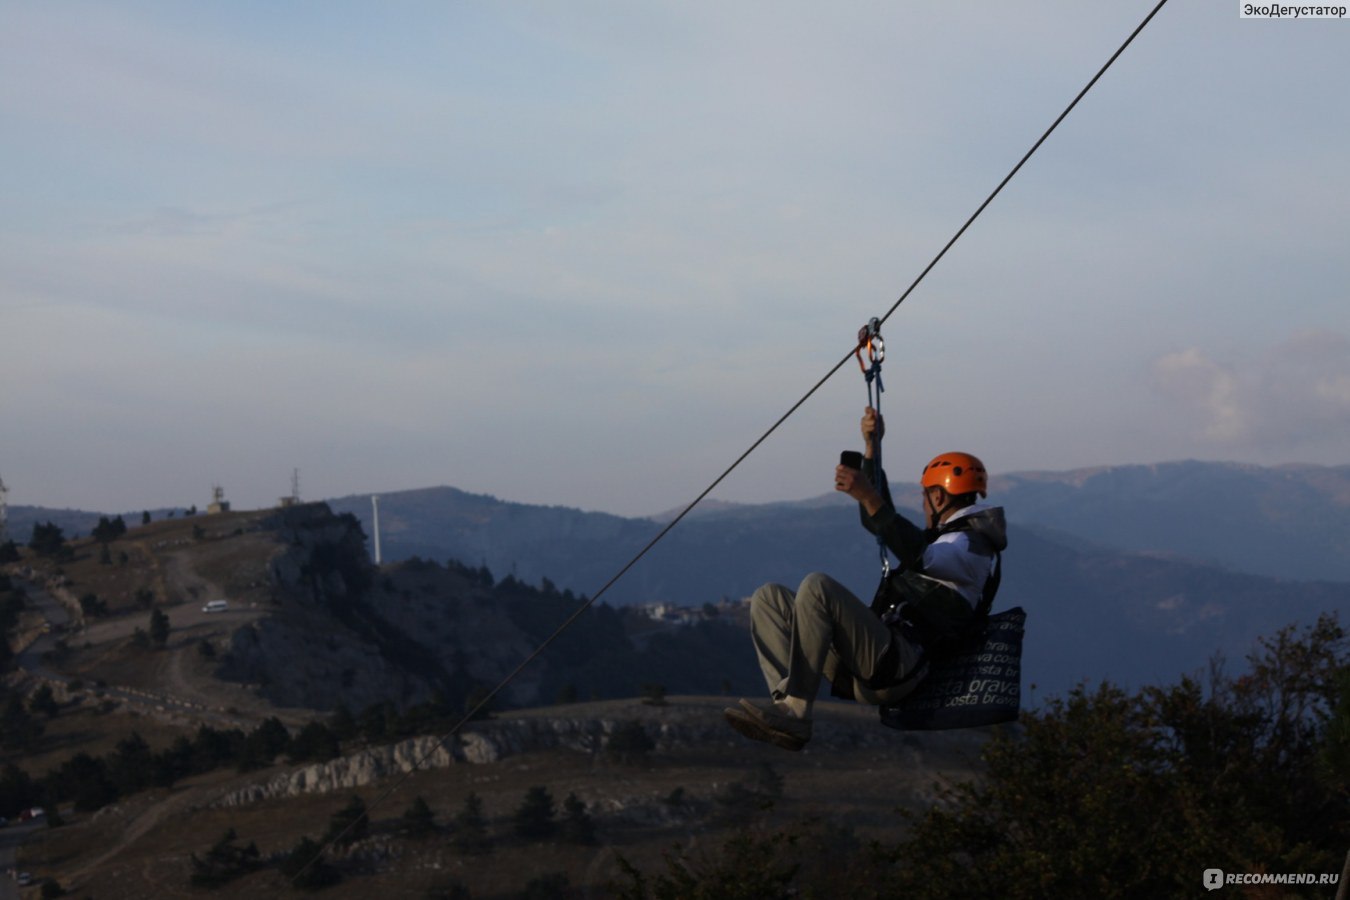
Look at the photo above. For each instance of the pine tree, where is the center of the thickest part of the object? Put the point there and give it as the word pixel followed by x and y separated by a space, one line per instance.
pixel 131 766
pixel 159 628
pixel 577 825
pixel 44 701
pixel 470 827
pixel 418 819
pixel 349 824
pixel 305 869
pixel 534 818
pixel 264 744
pixel 104 531
pixel 47 540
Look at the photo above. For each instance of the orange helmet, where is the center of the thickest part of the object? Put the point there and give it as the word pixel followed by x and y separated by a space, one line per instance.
pixel 956 473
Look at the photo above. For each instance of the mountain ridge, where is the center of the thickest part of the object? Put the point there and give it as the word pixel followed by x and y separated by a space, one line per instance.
pixel 1130 573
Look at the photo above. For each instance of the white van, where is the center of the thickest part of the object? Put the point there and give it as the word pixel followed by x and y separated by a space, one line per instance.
pixel 216 606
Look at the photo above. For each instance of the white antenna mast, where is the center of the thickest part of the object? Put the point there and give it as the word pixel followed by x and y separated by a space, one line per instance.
pixel 375 506
pixel 4 512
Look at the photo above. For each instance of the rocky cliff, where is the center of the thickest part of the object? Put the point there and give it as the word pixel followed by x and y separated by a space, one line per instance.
pixel 320 646
pixel 678 726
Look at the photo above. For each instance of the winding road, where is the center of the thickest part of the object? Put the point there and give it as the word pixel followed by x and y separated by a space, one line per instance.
pixel 32 659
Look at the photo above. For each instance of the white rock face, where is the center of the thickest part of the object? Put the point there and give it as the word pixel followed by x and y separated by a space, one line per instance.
pixel 347 772
pixel 491 741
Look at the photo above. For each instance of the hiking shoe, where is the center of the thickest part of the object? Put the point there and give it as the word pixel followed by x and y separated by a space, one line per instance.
pixel 769 725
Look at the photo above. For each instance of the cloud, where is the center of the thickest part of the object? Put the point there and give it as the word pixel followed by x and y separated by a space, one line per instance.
pixel 1293 394
pixel 1208 389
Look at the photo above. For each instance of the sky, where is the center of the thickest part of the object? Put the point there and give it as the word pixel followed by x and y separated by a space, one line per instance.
pixel 586 253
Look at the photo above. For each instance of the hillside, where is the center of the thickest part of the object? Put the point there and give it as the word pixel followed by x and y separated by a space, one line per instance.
pixel 311 625
pixel 698 783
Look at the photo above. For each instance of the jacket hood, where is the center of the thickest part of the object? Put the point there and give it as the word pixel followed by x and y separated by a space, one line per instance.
pixel 986 521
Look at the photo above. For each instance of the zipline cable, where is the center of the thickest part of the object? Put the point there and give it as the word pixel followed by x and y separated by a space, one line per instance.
pixel 567 623
pixel 1034 147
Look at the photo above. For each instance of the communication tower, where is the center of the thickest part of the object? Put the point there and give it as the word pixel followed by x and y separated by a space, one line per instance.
pixel 294 498
pixel 4 513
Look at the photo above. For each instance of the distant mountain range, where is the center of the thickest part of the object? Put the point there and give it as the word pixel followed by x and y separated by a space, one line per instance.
pixel 1133 573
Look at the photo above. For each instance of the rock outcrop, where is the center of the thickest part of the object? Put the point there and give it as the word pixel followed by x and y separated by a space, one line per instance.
pixel 491 741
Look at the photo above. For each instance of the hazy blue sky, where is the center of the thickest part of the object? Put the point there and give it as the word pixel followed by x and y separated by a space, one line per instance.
pixel 584 253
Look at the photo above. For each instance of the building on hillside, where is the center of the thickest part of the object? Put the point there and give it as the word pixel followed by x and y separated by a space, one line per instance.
pixel 218 502
pixel 670 614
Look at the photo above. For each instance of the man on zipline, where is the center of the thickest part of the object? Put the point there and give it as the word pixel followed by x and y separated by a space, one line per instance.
pixel 876 655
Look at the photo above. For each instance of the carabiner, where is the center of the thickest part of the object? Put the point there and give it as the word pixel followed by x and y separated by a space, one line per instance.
pixel 869 336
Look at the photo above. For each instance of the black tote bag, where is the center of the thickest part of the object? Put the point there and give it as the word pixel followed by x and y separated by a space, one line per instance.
pixel 980 685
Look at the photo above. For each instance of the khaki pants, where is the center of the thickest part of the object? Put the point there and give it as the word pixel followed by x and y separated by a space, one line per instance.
pixel 817 632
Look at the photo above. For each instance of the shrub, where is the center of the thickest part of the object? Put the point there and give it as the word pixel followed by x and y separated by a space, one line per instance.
pixel 1109 794
pixel 1102 793
pixel 91 605
pixel 349 824
pixel 534 818
pixel 159 628
pixel 224 862
pixel 577 826
pixel 305 867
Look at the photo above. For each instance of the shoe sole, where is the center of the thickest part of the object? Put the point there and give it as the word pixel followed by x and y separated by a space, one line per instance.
pixel 756 730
